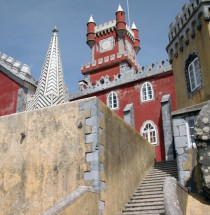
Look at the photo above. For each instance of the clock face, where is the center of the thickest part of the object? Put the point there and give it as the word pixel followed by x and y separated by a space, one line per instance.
pixel 106 44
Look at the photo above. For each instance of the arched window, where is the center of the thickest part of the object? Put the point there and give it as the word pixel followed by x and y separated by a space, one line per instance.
pixel 147 92
pixel 149 132
pixel 112 100
pixel 193 74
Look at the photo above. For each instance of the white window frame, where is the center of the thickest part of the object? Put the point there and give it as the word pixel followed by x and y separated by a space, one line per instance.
pixel 190 137
pixel 146 86
pixel 149 133
pixel 111 103
pixel 193 75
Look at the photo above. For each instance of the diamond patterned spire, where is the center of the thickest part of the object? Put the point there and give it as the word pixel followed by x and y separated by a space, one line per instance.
pixel 51 89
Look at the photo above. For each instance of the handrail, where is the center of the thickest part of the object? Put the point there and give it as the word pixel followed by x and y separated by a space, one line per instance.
pixel 70 199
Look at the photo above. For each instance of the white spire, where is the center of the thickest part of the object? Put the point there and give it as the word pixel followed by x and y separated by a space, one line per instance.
pixel 119 8
pixel 134 26
pixel 91 19
pixel 51 89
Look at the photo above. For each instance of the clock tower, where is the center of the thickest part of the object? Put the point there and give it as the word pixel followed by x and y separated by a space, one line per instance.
pixel 114 46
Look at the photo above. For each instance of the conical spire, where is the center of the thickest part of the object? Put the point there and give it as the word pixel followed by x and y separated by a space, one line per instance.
pixel 91 19
pixel 51 89
pixel 119 8
pixel 134 26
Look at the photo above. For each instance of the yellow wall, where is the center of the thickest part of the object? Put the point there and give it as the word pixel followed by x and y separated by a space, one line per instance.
pixel 127 159
pixel 86 205
pixel 201 45
pixel 45 166
pixel 48 164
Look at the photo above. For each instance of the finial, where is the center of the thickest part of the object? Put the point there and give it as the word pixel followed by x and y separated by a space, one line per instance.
pixel 119 8
pixel 55 29
pixel 91 18
pixel 134 26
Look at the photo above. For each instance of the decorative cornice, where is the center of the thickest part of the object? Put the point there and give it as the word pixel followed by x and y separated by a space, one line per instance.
pixel 17 69
pixel 51 88
pixel 187 21
pixel 112 59
pixel 86 87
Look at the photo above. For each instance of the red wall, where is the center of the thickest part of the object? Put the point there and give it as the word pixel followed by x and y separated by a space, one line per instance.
pixel 110 71
pixel 162 84
pixel 8 95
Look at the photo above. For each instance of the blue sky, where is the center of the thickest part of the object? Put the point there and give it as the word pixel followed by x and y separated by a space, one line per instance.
pixel 26 28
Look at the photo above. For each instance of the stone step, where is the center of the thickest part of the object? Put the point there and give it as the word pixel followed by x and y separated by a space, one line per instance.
pixel 148 193
pixel 150 196
pixel 150 186
pixel 145 200
pixel 151 180
pixel 156 182
pixel 149 190
pixel 161 171
pixel 142 208
pixel 134 205
pixel 157 212
pixel 159 175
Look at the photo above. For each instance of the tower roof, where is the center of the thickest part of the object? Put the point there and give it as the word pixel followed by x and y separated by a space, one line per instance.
pixel 91 19
pixel 134 26
pixel 119 8
pixel 51 89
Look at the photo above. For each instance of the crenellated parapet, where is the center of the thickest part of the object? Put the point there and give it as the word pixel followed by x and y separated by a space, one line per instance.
pixel 185 25
pixel 114 58
pixel 16 68
pixel 110 26
pixel 86 87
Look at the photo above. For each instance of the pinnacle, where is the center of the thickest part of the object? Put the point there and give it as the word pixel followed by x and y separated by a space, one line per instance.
pixel 134 26
pixel 91 19
pixel 119 8
pixel 55 29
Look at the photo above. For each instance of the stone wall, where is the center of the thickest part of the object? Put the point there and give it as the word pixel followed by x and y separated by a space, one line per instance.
pixel 42 157
pixel 202 137
pixel 48 153
pixel 186 150
pixel 126 160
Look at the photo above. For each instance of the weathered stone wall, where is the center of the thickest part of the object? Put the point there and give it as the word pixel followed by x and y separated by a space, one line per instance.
pixel 202 137
pixel 47 164
pixel 126 159
pixel 48 153
pixel 186 154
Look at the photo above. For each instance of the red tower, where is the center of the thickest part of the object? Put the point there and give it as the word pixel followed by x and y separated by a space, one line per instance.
pixel 113 46
pixel 135 93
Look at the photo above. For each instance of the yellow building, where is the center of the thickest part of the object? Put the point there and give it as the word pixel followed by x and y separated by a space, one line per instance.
pixel 189 52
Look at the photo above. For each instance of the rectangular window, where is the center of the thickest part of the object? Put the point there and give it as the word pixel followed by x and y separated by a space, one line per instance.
pixel 190 124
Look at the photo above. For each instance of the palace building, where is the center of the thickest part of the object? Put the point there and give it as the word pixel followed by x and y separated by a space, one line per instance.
pixel 137 94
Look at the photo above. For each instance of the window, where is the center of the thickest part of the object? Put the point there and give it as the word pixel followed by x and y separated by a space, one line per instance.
pixel 149 132
pixel 112 100
pixel 190 125
pixel 193 74
pixel 146 92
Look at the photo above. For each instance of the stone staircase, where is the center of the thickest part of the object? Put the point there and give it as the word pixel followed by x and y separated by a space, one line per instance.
pixel 148 198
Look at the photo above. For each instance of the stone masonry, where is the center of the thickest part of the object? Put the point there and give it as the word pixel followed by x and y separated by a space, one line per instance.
pixel 202 138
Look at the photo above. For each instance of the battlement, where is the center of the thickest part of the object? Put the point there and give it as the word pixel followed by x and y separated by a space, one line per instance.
pixel 110 26
pixel 190 17
pixel 18 69
pixel 86 87
pixel 105 28
pixel 107 60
